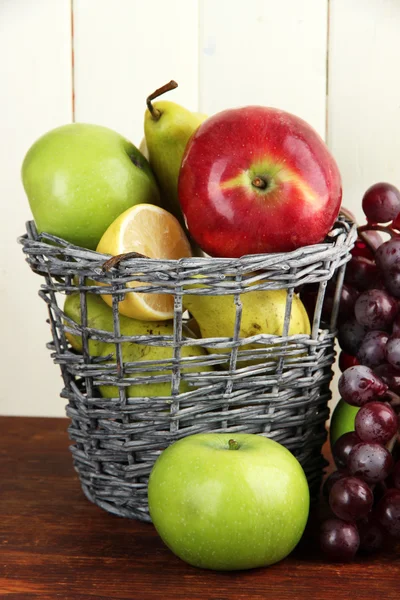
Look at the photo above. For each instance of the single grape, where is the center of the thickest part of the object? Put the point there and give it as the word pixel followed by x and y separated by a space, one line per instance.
pixel 346 361
pixel 372 535
pixel 359 385
pixel 387 256
pixel 351 498
pixel 342 448
pixel 381 203
pixel 331 480
pixel 350 336
pixel 392 281
pixel 396 475
pixel 375 309
pixel 376 422
pixel 388 512
pixel 371 462
pixel 339 540
pixel 372 350
pixel 362 273
pixel 392 350
pixel 390 375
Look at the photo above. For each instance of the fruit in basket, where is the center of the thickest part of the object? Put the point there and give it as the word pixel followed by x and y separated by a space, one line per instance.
pixel 168 127
pixel 152 232
pixel 145 151
pixel 100 316
pixel 263 311
pixel 135 352
pixel 80 177
pixel 228 501
pixel 257 179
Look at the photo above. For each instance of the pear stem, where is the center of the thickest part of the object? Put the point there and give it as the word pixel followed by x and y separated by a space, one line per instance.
pixel 155 113
pixel 233 445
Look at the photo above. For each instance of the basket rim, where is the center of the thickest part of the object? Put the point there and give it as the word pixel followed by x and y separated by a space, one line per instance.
pixel 341 236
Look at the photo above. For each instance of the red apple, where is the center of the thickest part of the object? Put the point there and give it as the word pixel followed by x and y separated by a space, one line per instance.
pixel 258 179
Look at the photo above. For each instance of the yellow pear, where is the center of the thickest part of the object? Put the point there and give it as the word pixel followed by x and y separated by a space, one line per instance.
pixel 168 127
pixel 262 312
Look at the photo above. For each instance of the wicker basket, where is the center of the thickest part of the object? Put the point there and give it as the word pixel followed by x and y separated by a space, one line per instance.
pixel 283 393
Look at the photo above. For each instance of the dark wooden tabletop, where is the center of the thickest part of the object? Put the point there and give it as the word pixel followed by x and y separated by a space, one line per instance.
pixel 55 544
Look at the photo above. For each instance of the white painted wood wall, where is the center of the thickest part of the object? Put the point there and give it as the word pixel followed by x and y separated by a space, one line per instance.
pixel 335 63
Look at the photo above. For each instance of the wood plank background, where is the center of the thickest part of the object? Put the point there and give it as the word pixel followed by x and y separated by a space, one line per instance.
pixel 335 63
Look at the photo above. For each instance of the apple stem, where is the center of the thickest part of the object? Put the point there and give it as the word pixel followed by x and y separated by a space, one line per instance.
pixel 259 183
pixel 155 113
pixel 233 445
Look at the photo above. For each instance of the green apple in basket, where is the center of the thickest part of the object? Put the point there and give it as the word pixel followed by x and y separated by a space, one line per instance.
pixel 80 177
pixel 100 316
pixel 228 501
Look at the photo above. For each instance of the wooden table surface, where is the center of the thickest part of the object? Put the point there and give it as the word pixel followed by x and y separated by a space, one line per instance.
pixel 55 544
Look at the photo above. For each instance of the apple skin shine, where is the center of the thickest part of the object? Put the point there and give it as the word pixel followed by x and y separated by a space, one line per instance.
pixel 228 502
pixel 258 179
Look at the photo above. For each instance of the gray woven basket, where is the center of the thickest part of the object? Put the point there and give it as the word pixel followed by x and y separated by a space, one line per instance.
pixel 283 396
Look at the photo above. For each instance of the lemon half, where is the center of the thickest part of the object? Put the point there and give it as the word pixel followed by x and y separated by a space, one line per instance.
pixel 153 232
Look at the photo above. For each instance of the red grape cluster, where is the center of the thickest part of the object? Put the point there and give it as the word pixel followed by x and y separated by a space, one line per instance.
pixel 364 493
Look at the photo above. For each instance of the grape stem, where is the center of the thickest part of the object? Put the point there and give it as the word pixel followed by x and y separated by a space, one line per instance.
pixel 361 229
pixel 390 445
pixel 394 399
pixel 383 228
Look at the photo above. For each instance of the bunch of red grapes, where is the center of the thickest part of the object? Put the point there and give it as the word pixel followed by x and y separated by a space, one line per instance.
pixel 364 493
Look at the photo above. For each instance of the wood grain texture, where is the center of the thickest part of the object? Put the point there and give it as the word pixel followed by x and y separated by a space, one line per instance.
pixel 364 91
pixel 55 544
pixel 264 52
pixel 35 73
pixel 126 50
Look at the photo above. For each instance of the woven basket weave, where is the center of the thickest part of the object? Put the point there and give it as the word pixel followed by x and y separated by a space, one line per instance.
pixel 284 395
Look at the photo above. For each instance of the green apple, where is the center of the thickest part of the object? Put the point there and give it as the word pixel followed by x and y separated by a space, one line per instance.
pixel 342 420
pixel 228 501
pixel 79 178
